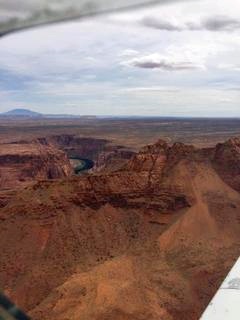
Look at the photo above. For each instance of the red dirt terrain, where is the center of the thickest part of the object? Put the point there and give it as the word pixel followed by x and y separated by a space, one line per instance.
pixel 151 240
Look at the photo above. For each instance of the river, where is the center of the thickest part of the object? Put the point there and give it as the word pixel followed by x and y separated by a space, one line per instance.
pixel 80 165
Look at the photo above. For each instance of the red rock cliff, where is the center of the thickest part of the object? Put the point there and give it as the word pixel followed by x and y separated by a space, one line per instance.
pixel 23 163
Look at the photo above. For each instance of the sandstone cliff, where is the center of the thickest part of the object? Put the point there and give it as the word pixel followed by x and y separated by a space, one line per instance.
pixel 227 159
pixel 23 163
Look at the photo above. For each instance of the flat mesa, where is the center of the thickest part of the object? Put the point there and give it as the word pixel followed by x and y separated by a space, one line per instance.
pixel 226 303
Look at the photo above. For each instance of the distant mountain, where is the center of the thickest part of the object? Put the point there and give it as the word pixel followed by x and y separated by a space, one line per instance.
pixel 23 113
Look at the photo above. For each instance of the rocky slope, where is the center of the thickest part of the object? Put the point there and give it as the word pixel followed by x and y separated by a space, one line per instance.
pixel 152 240
pixel 226 159
pixel 22 163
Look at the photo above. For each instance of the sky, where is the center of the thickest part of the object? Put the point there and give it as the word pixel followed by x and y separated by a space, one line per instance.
pixel 177 59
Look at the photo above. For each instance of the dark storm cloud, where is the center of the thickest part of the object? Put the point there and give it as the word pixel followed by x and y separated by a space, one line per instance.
pixel 221 23
pixel 160 24
pixel 148 63
pixel 215 23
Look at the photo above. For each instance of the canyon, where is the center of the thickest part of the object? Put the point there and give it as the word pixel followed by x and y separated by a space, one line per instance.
pixel 103 153
pixel 143 235
pixel 25 161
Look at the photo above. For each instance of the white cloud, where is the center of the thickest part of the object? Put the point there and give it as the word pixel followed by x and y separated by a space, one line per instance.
pixel 128 53
pixel 149 89
pixel 229 66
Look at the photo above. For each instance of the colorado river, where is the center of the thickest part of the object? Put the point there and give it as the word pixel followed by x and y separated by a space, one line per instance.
pixel 79 165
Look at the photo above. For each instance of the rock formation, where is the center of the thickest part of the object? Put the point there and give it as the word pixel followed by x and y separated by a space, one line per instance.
pixel 22 163
pixel 152 240
pixel 227 159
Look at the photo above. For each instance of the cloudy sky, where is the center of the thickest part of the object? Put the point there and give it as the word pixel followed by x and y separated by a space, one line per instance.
pixel 178 59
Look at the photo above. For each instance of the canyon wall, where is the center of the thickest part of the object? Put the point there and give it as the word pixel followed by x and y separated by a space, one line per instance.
pixel 23 163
